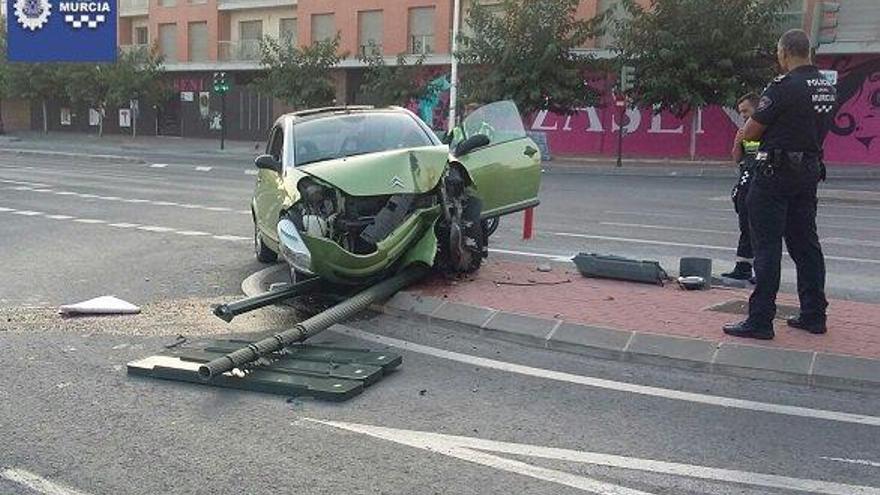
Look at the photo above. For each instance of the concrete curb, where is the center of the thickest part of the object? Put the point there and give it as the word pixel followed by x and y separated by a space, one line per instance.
pixel 726 358
pixel 65 154
pixel 750 361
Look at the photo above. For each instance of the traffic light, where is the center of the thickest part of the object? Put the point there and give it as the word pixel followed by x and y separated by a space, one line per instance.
pixel 221 83
pixel 627 78
pixel 825 22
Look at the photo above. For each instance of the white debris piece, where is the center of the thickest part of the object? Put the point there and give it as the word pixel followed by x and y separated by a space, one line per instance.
pixel 104 305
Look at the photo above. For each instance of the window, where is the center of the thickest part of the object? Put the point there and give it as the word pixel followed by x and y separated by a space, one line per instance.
pixel 168 41
pixel 323 27
pixel 287 30
pixel 356 134
pixel 167 3
pixel 275 146
pixel 370 32
pixel 615 12
pixel 197 41
pixel 141 36
pixel 421 30
pixel 250 34
pixel 793 16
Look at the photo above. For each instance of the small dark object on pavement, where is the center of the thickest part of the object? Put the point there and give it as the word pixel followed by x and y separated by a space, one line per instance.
pixel 619 268
pixel 179 341
pixel 696 267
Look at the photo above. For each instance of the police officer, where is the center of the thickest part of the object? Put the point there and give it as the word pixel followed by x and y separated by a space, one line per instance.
pixel 792 118
pixel 744 153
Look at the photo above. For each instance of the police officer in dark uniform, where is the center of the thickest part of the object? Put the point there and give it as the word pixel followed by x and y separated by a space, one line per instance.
pixel 791 121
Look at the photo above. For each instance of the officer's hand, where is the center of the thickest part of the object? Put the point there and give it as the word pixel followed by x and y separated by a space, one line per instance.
pixel 740 136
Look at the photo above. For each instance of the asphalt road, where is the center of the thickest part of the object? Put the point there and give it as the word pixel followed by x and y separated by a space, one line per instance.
pixel 463 415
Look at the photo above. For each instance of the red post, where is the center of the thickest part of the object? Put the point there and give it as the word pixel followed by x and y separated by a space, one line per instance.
pixel 528 223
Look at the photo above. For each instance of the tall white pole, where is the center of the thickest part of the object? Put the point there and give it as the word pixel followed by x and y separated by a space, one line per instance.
pixel 453 78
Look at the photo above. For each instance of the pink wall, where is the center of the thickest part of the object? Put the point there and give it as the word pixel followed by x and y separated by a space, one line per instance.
pixel 182 14
pixel 854 138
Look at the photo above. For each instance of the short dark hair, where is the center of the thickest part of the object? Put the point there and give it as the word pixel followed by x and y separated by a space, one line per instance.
pixel 748 97
pixel 796 43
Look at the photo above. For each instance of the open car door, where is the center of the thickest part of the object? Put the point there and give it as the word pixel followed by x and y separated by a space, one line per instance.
pixel 507 171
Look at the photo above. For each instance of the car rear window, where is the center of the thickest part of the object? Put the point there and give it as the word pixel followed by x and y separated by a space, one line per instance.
pixel 355 134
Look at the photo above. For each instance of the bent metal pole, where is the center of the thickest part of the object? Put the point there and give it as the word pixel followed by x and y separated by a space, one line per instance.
pixel 316 324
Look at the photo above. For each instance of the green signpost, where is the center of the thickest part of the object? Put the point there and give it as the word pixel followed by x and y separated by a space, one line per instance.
pixel 221 87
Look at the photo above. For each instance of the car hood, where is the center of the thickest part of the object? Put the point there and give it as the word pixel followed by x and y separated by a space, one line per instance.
pixel 414 171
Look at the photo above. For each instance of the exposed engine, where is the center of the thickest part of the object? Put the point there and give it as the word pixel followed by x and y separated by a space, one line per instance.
pixel 357 223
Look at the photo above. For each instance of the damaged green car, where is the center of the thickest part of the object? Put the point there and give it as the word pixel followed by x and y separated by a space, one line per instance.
pixel 354 194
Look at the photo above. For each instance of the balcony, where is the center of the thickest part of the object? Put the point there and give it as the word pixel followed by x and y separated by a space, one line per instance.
pixel 253 4
pixel 133 8
pixel 238 51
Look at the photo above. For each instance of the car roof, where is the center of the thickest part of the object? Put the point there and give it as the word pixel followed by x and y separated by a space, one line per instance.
pixel 318 113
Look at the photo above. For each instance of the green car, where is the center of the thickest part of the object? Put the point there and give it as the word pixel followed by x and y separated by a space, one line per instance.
pixel 353 194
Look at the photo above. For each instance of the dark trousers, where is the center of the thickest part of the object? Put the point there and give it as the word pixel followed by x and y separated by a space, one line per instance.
pixel 744 249
pixel 784 206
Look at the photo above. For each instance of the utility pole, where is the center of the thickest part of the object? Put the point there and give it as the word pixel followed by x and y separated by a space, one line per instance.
pixel 626 83
pixel 453 78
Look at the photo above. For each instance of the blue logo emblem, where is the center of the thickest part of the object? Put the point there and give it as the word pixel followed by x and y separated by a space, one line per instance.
pixel 61 31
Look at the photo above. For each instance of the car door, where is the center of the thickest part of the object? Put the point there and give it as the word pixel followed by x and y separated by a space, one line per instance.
pixel 506 172
pixel 269 193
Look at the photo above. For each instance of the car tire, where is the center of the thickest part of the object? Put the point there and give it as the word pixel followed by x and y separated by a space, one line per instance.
pixel 472 237
pixel 490 225
pixel 263 253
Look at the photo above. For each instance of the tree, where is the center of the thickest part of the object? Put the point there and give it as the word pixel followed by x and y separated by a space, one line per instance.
pixel 136 75
pixel 87 85
pixel 300 77
pixel 692 53
pixel 37 83
pixel 385 84
pixel 528 52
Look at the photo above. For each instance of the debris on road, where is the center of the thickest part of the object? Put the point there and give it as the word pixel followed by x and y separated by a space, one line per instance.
pixel 104 305
pixel 620 268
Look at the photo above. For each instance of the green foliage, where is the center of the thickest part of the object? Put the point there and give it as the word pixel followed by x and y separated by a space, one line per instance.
pixel 693 53
pixel 527 51
pixel 385 84
pixel 301 77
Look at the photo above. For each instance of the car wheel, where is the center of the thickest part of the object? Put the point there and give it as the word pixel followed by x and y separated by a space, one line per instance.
pixel 263 253
pixel 490 225
pixel 463 245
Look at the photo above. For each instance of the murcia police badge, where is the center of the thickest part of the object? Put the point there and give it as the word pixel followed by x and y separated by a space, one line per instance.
pixel 32 14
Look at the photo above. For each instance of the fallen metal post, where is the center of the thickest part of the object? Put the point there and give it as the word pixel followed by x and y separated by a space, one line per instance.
pixel 315 324
pixel 229 311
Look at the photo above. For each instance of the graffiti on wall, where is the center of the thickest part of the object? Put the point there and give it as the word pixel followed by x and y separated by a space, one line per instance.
pixel 855 134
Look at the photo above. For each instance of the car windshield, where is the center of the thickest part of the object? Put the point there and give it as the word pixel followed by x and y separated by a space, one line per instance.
pixel 355 134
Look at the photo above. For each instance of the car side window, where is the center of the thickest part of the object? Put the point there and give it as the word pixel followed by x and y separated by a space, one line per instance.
pixel 276 144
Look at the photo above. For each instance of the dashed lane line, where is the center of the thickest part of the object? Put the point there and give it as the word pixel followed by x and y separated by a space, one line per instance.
pixel 204 169
pixel 860 462
pixel 156 229
pixel 159 165
pixel 221 209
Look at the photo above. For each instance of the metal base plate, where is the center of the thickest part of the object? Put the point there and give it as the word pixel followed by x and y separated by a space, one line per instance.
pixel 321 372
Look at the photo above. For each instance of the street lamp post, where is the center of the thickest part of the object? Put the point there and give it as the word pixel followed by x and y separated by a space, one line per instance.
pixel 453 82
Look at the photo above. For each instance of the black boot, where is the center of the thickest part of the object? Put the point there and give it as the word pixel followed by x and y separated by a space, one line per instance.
pixel 748 330
pixel 816 325
pixel 742 271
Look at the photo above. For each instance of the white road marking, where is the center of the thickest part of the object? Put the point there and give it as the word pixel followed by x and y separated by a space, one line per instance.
pixel 159 165
pixel 687 245
pixel 154 228
pixel 59 217
pixel 36 483
pixel 553 257
pixel 26 213
pixel 862 462
pixel 6 209
pixel 123 225
pixel 670 215
pixel 191 232
pixel 23 183
pixel 666 227
pixel 130 200
pixel 465 447
pixel 89 220
pixel 203 169
pixel 665 393
pixel 231 238
pixel 250 172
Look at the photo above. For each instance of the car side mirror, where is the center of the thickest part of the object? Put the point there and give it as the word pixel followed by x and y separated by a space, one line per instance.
pixel 471 143
pixel 268 162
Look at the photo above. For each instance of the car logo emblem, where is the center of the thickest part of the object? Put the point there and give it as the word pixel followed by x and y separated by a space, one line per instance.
pixel 397 182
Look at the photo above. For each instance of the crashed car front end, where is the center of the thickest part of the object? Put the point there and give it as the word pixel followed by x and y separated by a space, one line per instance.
pixel 358 219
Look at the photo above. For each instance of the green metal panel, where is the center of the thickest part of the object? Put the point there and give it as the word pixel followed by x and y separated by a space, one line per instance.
pixel 322 372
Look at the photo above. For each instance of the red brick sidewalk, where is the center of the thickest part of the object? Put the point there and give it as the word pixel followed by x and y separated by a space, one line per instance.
pixel 651 309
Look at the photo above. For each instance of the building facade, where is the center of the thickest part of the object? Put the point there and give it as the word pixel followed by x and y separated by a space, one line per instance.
pixel 199 37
